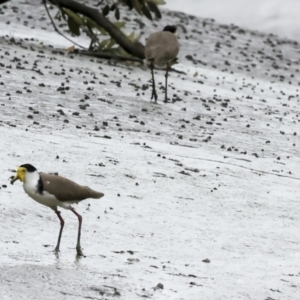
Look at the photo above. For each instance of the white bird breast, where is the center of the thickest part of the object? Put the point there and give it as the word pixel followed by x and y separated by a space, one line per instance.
pixel 47 199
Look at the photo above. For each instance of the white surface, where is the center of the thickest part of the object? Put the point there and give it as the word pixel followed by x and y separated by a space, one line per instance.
pixel 272 16
pixel 238 208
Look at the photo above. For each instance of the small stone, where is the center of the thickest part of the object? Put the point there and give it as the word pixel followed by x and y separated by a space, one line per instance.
pixel 159 286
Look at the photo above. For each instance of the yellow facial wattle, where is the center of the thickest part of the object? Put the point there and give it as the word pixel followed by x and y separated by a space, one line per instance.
pixel 21 175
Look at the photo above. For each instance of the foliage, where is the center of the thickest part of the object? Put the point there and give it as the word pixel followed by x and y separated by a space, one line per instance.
pixel 100 42
pixel 143 7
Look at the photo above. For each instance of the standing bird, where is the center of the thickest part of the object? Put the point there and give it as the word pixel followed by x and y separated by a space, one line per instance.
pixel 53 191
pixel 161 49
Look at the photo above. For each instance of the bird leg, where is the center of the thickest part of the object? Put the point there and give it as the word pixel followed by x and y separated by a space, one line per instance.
pixel 78 247
pixel 166 87
pixel 154 94
pixel 62 223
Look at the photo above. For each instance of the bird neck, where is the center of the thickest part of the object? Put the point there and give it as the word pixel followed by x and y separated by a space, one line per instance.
pixel 32 177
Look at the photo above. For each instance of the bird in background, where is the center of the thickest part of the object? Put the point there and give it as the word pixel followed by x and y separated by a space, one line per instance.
pixel 55 191
pixel 161 49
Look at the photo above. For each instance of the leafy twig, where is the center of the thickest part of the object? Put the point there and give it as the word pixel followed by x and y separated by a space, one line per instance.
pixel 132 47
pixel 3 1
pixel 109 56
pixel 55 28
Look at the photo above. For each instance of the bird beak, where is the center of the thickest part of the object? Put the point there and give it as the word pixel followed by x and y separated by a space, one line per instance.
pixel 14 179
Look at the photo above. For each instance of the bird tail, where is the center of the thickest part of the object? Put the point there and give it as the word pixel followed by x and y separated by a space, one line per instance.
pixel 94 194
pixel 97 195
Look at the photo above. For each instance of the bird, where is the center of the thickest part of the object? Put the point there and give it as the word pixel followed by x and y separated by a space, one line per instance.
pixel 161 50
pixel 55 191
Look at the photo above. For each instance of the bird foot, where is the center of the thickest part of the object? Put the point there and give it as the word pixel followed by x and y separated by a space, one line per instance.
pixel 154 95
pixel 79 251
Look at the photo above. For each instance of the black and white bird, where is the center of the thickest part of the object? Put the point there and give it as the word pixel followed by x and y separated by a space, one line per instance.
pixel 55 191
pixel 161 49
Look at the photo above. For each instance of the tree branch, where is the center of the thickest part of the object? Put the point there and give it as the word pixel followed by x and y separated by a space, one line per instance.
pixel 55 28
pixel 3 1
pixel 109 56
pixel 133 48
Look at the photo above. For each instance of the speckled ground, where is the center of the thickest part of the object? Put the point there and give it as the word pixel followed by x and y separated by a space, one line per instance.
pixel 201 194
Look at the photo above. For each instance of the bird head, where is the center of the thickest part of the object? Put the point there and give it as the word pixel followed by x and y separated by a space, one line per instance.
pixel 22 172
pixel 170 28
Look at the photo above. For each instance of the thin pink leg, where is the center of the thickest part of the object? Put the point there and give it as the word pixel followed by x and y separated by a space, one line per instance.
pixel 78 247
pixel 154 94
pixel 166 86
pixel 62 223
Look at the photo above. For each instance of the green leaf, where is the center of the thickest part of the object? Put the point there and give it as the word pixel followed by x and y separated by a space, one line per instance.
pixel 131 36
pixel 63 13
pixel 93 24
pixel 120 51
pixel 129 4
pixel 113 7
pixel 88 25
pixel 74 16
pixel 137 38
pixel 120 24
pixel 117 13
pixel 158 2
pixel 73 26
pixel 105 10
pixel 147 13
pixel 58 17
pixel 153 7
pixel 104 44
pixel 110 44
pixel 137 6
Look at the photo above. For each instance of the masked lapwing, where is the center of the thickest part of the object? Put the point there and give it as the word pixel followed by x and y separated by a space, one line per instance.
pixel 161 49
pixel 55 191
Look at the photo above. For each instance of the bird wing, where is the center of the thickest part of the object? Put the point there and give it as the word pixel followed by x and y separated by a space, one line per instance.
pixel 151 46
pixel 162 47
pixel 67 190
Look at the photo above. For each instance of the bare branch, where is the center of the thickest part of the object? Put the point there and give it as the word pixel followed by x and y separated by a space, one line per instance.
pixel 133 48
pixel 55 28
pixel 3 1
pixel 109 56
